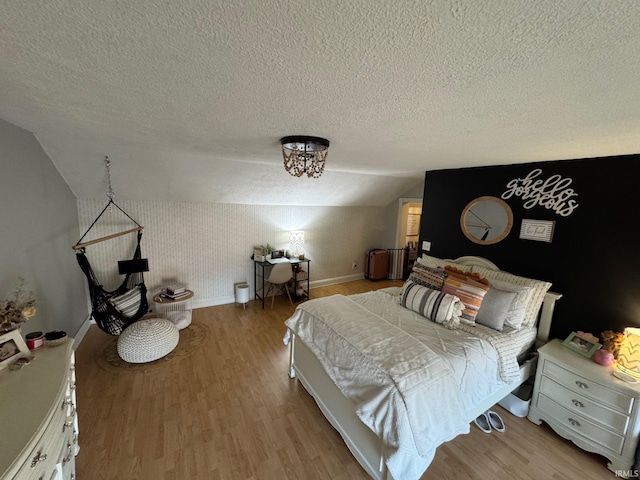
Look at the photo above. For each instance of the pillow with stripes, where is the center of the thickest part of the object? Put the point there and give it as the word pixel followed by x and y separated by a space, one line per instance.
pixel 432 304
pixel 428 276
pixel 129 302
pixel 470 291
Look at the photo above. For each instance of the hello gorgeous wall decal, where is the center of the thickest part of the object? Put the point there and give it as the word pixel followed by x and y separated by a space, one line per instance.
pixel 553 193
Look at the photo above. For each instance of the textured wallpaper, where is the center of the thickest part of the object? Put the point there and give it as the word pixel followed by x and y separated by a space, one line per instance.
pixel 208 246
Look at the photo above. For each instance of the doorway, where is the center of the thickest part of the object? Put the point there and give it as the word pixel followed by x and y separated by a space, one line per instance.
pixel 408 230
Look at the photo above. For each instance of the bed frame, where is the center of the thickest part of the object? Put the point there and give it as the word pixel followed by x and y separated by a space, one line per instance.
pixel 366 446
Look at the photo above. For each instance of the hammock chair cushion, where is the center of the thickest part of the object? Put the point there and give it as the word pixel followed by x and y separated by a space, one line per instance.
pixel 128 303
pixel 147 340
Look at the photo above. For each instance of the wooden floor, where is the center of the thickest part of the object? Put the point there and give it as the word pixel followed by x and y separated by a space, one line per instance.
pixel 230 411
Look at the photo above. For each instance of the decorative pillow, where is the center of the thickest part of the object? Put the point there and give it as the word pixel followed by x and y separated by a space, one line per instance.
pixel 518 309
pixel 494 309
pixel 432 304
pixel 470 291
pixel 428 277
pixel 128 303
pixel 538 290
pixel 451 270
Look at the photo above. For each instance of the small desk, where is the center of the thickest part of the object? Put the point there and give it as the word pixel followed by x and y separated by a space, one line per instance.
pixel 261 272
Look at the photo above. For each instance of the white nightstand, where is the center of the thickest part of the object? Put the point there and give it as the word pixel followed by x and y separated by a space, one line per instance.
pixel 583 402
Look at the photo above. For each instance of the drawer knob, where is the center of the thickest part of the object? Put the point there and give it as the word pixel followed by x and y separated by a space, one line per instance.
pixel 573 422
pixel 39 457
pixel 69 456
pixel 577 403
pixel 581 384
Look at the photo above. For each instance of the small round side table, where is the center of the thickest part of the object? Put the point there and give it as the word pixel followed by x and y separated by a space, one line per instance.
pixel 176 310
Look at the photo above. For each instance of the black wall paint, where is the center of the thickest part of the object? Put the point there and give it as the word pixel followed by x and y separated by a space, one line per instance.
pixel 594 258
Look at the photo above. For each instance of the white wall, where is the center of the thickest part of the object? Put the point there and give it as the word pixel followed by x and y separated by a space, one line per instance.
pixel 390 238
pixel 38 225
pixel 208 246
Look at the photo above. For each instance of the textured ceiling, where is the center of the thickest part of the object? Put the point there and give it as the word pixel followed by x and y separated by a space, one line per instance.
pixel 189 98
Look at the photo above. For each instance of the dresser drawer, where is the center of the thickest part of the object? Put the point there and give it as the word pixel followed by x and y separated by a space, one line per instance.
pixel 581 425
pixel 42 459
pixel 600 394
pixel 584 406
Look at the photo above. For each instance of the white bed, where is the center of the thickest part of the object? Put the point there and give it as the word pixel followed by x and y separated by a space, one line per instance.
pixel 383 346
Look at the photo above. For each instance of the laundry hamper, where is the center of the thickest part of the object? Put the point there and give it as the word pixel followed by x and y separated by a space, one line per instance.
pixel 242 294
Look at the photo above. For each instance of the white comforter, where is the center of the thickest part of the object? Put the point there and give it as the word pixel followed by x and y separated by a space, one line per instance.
pixel 410 380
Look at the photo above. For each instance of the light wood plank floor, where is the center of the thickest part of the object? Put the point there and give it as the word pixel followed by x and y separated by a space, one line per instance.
pixel 230 411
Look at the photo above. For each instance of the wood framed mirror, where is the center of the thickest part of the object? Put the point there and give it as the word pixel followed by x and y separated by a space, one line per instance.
pixel 486 220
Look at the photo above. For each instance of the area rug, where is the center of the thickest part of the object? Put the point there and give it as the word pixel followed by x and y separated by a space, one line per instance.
pixel 192 339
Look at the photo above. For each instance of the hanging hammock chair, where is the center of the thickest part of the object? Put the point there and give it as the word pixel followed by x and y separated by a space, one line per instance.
pixel 115 310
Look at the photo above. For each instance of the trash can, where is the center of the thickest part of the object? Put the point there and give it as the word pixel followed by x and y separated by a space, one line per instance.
pixel 242 294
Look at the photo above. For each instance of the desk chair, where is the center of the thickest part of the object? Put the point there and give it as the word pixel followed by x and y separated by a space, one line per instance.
pixel 280 275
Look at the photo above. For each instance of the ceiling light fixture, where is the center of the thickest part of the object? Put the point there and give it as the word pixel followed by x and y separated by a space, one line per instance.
pixel 304 154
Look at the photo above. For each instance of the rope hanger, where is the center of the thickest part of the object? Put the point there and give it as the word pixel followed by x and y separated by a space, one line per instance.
pixel 110 194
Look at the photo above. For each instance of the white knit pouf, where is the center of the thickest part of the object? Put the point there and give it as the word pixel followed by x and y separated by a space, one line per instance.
pixel 147 340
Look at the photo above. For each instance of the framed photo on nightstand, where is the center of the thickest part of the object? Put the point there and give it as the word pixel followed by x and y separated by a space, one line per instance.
pixel 12 347
pixel 580 345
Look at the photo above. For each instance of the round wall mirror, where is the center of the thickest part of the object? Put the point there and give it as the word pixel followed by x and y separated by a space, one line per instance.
pixel 486 220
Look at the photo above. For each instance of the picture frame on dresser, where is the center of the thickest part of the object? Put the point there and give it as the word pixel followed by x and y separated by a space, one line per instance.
pixel 12 347
pixel 580 345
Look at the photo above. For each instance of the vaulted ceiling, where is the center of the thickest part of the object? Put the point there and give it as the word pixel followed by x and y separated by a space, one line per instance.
pixel 189 98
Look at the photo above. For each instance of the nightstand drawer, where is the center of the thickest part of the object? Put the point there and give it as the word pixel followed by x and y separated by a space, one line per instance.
pixel 588 388
pixel 584 406
pixel 582 426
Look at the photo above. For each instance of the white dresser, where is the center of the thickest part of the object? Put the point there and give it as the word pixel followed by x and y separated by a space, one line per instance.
pixel 583 402
pixel 39 436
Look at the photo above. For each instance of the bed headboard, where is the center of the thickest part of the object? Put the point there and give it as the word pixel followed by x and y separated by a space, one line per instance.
pixel 548 304
pixel 481 262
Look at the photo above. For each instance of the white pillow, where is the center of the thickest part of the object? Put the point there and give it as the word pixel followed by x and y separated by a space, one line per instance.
pixel 538 290
pixel 515 315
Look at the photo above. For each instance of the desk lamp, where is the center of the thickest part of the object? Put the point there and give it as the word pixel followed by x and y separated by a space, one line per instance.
pixel 296 238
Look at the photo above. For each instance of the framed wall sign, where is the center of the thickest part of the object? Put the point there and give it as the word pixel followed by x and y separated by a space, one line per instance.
pixel 540 230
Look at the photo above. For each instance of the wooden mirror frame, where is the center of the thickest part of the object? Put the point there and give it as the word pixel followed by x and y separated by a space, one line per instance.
pixel 464 225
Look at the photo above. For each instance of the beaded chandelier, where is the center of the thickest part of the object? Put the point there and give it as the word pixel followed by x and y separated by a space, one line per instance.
pixel 303 154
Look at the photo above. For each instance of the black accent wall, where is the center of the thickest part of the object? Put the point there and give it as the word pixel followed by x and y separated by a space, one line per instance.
pixel 594 258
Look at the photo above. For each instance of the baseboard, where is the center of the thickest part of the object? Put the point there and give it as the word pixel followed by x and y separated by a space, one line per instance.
pixel 335 280
pixel 82 331
pixel 212 302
